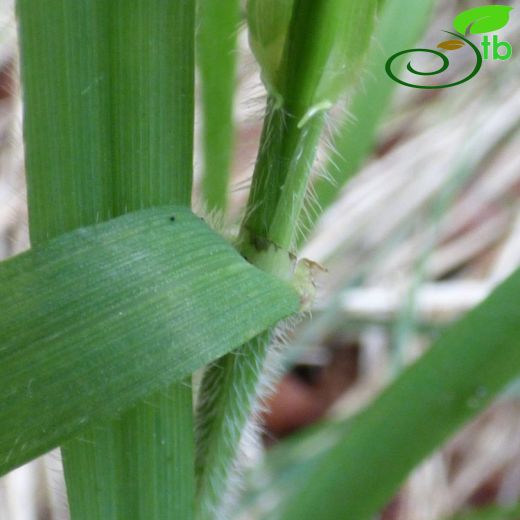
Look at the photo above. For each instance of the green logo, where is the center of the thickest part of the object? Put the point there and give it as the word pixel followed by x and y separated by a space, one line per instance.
pixel 480 20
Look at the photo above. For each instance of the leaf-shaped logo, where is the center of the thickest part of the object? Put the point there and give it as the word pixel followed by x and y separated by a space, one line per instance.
pixel 480 20
pixel 451 45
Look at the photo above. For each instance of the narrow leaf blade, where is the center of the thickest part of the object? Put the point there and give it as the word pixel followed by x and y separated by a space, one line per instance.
pixel 451 383
pixel 217 56
pixel 103 316
pixel 66 115
pixel 355 138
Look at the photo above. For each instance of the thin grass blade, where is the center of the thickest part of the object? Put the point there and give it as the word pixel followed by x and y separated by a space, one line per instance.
pixel 451 383
pixel 218 24
pixel 355 138
pixel 72 352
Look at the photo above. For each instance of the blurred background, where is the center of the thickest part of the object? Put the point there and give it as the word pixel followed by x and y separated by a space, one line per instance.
pixel 427 226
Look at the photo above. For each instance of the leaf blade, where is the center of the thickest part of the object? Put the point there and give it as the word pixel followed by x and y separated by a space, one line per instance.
pixel 108 90
pixel 68 171
pixel 217 56
pixel 453 381
pixel 56 383
pixel 355 138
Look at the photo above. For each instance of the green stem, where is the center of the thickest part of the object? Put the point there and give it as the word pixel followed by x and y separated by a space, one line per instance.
pixel 231 387
pixel 306 81
pixel 280 179
pixel 222 420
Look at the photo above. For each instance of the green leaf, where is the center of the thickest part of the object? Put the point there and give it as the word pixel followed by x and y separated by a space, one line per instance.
pixel 66 93
pixel 355 138
pixel 456 379
pixel 127 468
pixel 309 53
pixel 108 126
pixel 325 49
pixel 152 101
pixel 480 20
pixel 491 513
pixel 218 25
pixel 104 316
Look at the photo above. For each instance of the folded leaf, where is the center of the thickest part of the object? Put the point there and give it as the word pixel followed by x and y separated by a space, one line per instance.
pixel 99 318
